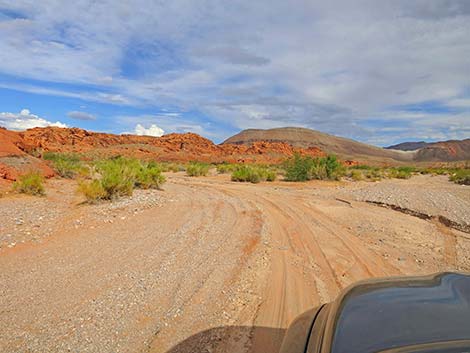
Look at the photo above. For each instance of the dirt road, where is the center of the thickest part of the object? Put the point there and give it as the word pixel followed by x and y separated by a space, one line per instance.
pixel 204 266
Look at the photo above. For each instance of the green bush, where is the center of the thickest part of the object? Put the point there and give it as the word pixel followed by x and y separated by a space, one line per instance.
pixel 299 168
pixel 31 183
pixel 461 176
pixel 224 168
pixel 149 176
pixel 67 165
pixel 196 169
pixel 119 176
pixel 400 172
pixel 253 174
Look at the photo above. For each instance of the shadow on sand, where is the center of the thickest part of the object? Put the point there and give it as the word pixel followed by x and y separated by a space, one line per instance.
pixel 232 338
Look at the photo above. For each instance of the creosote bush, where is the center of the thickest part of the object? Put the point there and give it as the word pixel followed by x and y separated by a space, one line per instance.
pixel 303 168
pixel 253 174
pixel 31 183
pixel 119 176
pixel 196 169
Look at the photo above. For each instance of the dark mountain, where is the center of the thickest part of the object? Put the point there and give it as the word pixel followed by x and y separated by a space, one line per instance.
pixel 408 146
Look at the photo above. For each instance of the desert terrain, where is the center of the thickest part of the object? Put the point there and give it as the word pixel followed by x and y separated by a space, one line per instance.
pixel 210 265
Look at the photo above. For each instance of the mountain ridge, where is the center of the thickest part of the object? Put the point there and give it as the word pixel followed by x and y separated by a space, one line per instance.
pixel 445 151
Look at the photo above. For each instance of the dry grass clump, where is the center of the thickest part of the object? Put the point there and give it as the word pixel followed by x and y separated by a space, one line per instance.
pixel 196 169
pixel 31 183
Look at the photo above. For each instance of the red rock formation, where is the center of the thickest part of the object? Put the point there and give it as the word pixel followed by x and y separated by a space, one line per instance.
pixel 14 161
pixel 172 147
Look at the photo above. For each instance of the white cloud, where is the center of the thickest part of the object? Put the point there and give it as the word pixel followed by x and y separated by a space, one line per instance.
pixel 153 130
pixel 459 103
pixel 25 120
pixel 78 115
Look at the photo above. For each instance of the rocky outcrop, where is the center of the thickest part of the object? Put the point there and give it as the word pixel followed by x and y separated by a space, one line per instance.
pixel 14 161
pixel 19 150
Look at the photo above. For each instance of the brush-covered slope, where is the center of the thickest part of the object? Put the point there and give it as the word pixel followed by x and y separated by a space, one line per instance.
pixel 442 151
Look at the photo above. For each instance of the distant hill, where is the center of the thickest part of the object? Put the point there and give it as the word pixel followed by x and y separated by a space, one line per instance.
pixel 446 151
pixel 304 138
pixel 452 150
pixel 408 146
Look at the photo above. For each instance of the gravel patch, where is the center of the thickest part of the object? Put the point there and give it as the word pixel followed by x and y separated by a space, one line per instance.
pixel 426 195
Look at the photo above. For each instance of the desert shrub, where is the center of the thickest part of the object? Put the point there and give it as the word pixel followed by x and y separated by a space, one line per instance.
pixel 437 171
pixel 400 172
pixel 363 167
pixel 461 176
pixel 119 176
pixel 196 169
pixel 356 175
pixel 31 183
pixel 149 176
pixel 172 167
pixel 67 165
pixel 225 168
pixel 299 168
pixel 374 174
pixel 253 174
pixel 93 190
pixel 269 174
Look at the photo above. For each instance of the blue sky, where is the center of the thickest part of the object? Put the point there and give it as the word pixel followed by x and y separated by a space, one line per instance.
pixel 379 72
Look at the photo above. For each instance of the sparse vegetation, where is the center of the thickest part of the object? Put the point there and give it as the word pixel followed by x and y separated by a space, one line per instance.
pixel 31 183
pixel 457 174
pixel 149 176
pixel 172 167
pixel 196 169
pixel 119 176
pixel 400 172
pixel 300 168
pixel 253 174
pixel 356 175
pixel 93 190
pixel 461 176
pixel 225 168
pixel 67 165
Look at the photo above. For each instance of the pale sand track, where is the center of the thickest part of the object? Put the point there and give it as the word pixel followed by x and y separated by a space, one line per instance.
pixel 219 267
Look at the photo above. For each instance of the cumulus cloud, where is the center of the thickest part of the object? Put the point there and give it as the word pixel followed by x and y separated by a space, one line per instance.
pixel 25 120
pixel 152 130
pixel 78 115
